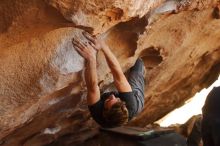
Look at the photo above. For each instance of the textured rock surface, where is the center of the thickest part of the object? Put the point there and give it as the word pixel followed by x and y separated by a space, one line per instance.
pixel 41 84
pixel 26 77
pixel 101 15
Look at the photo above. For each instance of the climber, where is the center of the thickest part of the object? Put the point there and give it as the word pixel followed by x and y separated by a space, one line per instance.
pixel 211 119
pixel 114 108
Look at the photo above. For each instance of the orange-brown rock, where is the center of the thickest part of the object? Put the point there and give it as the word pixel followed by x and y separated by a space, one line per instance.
pixel 101 15
pixel 41 79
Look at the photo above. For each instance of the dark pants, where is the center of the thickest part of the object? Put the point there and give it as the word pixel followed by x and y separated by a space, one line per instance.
pixel 137 82
pixel 211 130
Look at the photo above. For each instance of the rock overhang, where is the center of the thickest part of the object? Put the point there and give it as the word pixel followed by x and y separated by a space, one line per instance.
pixel 180 50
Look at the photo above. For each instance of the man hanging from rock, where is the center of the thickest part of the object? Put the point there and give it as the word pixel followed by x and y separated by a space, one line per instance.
pixel 111 109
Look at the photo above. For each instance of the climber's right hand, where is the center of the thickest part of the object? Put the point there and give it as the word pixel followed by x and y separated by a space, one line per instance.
pixel 85 50
pixel 96 43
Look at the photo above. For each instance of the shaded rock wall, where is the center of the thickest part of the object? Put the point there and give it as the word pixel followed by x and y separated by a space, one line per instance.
pixel 41 84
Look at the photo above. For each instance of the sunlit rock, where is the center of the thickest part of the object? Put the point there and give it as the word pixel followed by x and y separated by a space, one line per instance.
pixel 101 15
pixel 42 88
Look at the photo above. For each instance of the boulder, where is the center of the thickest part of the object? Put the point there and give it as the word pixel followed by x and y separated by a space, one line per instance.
pixel 42 88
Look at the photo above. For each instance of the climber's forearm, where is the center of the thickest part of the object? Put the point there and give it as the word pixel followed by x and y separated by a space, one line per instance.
pixel 120 80
pixel 91 79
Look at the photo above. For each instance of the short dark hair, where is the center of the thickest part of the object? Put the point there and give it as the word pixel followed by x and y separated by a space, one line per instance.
pixel 117 115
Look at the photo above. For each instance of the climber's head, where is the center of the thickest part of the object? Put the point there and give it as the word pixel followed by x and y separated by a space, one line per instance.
pixel 115 112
